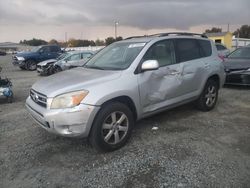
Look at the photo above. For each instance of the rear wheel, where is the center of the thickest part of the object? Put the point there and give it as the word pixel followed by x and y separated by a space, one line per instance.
pixel 209 96
pixel 112 127
pixel 31 65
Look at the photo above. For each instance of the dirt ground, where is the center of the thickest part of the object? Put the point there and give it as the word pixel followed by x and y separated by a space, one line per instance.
pixel 189 149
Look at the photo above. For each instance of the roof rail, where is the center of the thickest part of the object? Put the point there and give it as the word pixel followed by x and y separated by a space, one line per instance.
pixel 136 37
pixel 179 33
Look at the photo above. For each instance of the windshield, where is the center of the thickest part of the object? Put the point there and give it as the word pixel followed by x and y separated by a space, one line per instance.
pixel 117 56
pixel 243 53
pixel 61 56
pixel 36 49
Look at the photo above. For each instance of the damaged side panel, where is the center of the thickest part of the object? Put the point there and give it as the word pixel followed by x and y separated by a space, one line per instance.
pixel 159 86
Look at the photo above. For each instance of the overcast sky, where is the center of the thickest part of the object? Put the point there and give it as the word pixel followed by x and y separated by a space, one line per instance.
pixel 92 19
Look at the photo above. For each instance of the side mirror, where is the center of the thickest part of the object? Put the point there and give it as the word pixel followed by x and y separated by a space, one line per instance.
pixel 150 65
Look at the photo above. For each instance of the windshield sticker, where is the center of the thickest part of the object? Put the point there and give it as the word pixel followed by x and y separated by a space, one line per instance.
pixel 136 45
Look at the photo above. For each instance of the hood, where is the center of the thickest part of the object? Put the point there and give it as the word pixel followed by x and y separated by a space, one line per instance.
pixel 26 54
pixel 43 63
pixel 236 64
pixel 73 80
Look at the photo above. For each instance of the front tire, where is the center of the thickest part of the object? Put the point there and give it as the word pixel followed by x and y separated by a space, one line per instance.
pixel 112 127
pixel 209 96
pixel 31 65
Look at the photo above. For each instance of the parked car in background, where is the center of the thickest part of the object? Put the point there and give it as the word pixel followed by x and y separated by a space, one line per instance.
pixel 72 59
pixel 127 81
pixel 2 53
pixel 237 67
pixel 29 60
pixel 45 68
pixel 222 50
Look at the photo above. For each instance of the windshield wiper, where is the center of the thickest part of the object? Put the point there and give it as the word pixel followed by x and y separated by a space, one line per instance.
pixel 94 67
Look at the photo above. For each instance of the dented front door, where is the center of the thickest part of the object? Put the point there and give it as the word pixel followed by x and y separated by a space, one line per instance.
pixel 162 87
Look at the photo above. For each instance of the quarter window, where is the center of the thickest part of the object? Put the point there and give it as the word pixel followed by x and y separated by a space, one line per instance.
pixel 163 52
pixel 206 49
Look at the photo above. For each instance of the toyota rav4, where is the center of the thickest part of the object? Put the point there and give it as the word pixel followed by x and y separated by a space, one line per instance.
pixel 127 81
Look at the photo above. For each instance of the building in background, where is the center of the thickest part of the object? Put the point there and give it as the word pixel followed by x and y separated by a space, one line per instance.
pixel 10 47
pixel 223 38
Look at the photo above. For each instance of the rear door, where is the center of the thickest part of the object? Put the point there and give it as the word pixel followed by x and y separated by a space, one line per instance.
pixel 159 88
pixel 194 55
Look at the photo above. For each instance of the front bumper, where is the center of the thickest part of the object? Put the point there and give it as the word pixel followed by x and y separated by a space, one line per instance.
pixel 70 122
pixel 239 78
pixel 18 63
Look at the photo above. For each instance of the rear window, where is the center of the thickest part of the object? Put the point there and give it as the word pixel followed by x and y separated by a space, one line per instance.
pixel 220 47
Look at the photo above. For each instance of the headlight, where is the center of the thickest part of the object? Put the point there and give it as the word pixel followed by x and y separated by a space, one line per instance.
pixel 68 100
pixel 248 69
pixel 20 58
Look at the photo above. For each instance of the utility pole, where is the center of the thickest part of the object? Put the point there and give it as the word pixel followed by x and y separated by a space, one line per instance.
pixel 66 37
pixel 116 25
pixel 228 27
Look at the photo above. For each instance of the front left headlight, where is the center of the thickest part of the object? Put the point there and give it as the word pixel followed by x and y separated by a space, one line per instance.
pixel 68 100
pixel 20 58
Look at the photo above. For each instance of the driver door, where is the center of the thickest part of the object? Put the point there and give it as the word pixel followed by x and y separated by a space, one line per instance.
pixel 162 87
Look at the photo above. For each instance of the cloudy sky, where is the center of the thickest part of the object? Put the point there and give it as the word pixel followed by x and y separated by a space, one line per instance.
pixel 92 19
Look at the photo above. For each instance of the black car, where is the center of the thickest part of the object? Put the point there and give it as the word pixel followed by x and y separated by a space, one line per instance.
pixel 237 67
pixel 2 53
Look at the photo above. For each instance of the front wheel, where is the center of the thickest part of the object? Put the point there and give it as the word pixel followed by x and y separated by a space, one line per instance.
pixel 209 96
pixel 112 127
pixel 57 69
pixel 31 65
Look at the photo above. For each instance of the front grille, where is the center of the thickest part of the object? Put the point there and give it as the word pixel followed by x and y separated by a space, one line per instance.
pixel 38 98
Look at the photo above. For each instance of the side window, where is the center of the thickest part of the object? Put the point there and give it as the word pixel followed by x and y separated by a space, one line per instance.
pixel 44 49
pixel 206 49
pixel 74 57
pixel 86 55
pixel 54 49
pixel 163 52
pixel 188 49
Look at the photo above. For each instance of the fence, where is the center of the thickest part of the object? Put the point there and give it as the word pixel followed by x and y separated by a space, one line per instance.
pixel 88 48
pixel 240 42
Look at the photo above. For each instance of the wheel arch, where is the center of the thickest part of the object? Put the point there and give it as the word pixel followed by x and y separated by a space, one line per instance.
pixel 124 100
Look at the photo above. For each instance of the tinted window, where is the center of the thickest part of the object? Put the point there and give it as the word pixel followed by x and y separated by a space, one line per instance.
pixel 54 49
pixel 220 47
pixel 188 49
pixel 206 49
pixel 163 52
pixel 44 49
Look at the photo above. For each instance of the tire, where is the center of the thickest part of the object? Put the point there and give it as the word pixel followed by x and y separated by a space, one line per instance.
pixel 22 68
pixel 31 65
pixel 57 69
pixel 209 96
pixel 107 134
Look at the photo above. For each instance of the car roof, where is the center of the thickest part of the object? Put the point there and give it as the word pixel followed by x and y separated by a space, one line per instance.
pixel 161 36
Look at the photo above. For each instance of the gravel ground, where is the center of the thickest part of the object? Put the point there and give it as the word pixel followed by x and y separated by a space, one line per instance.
pixel 190 148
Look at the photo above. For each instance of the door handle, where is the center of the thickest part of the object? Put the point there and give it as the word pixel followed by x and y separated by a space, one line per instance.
pixel 207 65
pixel 174 72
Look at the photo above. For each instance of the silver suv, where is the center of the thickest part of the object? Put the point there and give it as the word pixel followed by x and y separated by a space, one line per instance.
pixel 127 81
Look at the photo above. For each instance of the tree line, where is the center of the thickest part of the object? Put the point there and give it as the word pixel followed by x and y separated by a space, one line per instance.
pixel 72 42
pixel 242 32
